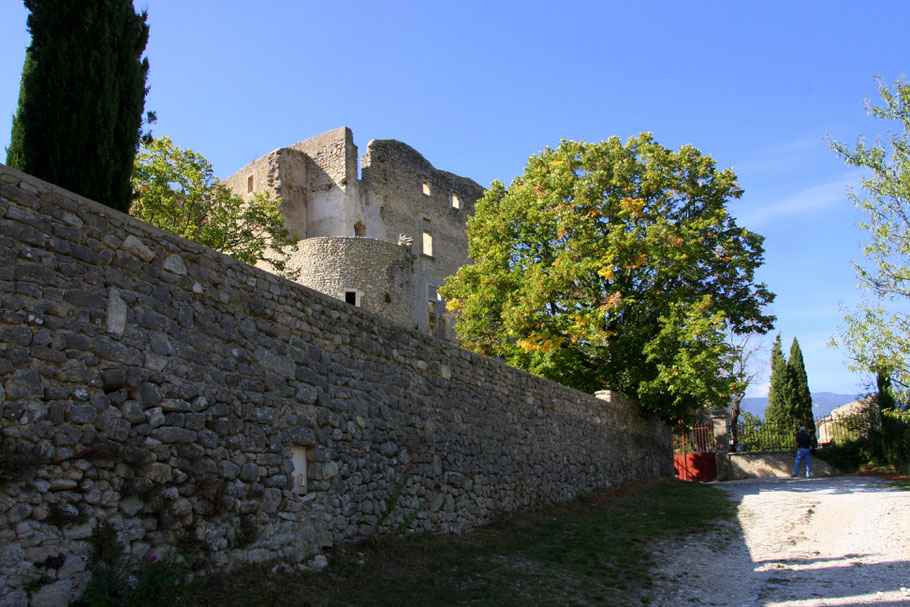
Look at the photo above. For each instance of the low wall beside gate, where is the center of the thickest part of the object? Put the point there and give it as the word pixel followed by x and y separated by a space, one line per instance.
pixel 766 464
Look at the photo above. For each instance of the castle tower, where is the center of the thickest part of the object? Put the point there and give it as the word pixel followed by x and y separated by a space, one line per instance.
pixel 385 241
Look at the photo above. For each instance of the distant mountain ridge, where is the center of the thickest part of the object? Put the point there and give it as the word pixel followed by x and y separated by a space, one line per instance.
pixel 823 403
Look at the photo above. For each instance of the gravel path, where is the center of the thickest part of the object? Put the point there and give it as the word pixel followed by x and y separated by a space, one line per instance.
pixel 796 543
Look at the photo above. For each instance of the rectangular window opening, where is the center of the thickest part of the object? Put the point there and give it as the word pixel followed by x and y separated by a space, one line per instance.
pixel 435 311
pixel 249 184
pixel 351 298
pixel 427 239
pixel 426 187
pixel 456 201
pixel 300 455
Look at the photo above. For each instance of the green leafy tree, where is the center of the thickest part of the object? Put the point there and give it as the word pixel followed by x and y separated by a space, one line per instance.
pixel 877 333
pixel 176 189
pixel 82 97
pixel 612 265
pixel 884 398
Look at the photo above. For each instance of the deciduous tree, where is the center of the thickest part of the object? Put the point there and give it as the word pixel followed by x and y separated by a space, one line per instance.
pixel 877 333
pixel 176 189
pixel 744 350
pixel 612 265
pixel 82 97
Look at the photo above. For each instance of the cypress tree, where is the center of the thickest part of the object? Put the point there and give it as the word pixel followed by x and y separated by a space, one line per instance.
pixel 778 408
pixel 82 96
pixel 800 396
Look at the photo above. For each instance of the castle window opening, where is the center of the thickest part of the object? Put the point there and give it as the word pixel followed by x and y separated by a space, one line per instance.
pixel 352 297
pixel 436 310
pixel 456 201
pixel 359 229
pixel 249 184
pixel 426 187
pixel 299 456
pixel 427 238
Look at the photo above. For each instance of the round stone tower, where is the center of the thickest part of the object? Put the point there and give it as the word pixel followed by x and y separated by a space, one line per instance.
pixel 371 274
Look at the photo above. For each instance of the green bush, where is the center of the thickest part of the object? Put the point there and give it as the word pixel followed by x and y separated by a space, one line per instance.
pixel 895 437
pixel 853 455
pixel 887 447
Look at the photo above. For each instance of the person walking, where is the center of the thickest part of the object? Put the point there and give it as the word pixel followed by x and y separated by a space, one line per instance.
pixel 803 451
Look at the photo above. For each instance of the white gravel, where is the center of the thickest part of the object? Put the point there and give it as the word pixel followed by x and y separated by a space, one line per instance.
pixel 796 542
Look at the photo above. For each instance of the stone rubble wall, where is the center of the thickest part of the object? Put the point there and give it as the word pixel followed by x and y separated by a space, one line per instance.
pixel 392 177
pixel 381 273
pixel 154 387
pixel 281 173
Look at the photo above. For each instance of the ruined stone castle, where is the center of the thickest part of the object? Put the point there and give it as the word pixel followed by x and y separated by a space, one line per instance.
pixel 385 241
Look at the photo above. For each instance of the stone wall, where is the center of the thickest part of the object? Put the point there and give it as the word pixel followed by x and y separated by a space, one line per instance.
pixel 169 393
pixel 281 173
pixel 380 273
pixel 393 179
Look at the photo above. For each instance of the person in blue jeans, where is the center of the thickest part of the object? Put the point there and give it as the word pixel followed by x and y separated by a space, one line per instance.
pixel 803 450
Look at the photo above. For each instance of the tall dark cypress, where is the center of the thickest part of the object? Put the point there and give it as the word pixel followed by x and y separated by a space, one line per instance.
pixel 778 391
pixel 82 96
pixel 800 396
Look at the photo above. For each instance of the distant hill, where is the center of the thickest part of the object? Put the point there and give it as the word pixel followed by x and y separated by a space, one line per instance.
pixel 823 403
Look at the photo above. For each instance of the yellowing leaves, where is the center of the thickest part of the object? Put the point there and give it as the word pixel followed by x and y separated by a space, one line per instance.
pixel 636 262
pixel 540 343
pixel 607 272
pixel 633 206
pixel 610 302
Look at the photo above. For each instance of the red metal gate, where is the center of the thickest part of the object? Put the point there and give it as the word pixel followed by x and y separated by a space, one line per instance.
pixel 693 454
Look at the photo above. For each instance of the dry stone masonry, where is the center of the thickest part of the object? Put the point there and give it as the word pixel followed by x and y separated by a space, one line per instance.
pixel 155 389
pixel 399 199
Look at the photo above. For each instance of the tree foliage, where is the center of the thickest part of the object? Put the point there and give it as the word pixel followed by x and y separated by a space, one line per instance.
pixel 82 97
pixel 789 398
pixel 614 266
pixel 801 395
pixel 778 390
pixel 877 333
pixel 176 189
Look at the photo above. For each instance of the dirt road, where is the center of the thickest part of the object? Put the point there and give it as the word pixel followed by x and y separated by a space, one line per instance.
pixel 796 543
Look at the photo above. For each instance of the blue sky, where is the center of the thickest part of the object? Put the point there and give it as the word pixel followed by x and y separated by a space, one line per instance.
pixel 478 87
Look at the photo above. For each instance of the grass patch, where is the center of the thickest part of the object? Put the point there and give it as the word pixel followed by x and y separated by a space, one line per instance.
pixel 592 552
